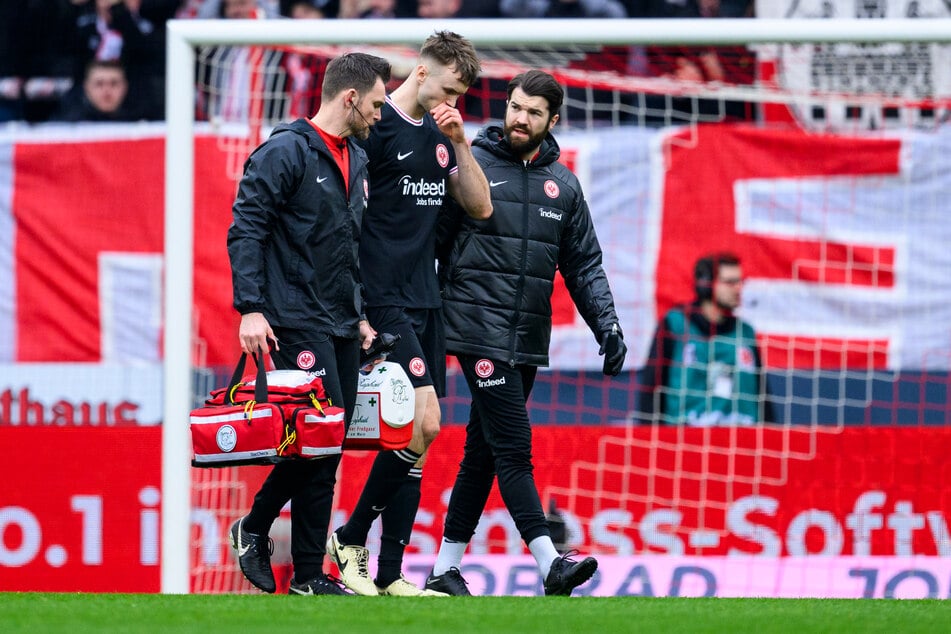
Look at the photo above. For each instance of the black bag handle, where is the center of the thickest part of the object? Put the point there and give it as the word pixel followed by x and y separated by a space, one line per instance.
pixel 260 382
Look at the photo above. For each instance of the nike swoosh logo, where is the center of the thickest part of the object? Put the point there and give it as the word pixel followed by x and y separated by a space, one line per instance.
pixel 378 509
pixel 242 550
pixel 400 156
pixel 496 184
pixel 309 591
pixel 343 565
pixel 320 180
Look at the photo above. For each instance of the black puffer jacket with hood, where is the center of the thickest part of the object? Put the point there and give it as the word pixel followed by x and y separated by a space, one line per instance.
pixel 498 274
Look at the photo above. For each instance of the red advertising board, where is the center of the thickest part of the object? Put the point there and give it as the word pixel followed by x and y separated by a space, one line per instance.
pixel 79 508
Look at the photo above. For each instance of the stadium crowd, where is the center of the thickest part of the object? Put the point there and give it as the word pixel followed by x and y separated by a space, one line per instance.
pixel 49 48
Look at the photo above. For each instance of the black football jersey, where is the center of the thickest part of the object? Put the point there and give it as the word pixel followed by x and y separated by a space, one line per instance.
pixel 410 164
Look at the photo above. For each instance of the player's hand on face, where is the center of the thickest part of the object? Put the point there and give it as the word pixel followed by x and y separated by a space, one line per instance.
pixel 449 121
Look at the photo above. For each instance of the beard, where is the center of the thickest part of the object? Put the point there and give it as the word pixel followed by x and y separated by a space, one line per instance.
pixel 523 146
pixel 727 307
pixel 358 125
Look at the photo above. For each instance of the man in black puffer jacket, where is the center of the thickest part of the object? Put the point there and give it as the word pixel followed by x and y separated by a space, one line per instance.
pixel 498 275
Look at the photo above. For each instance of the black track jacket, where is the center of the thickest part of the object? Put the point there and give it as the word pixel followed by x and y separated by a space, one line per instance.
pixel 498 274
pixel 294 240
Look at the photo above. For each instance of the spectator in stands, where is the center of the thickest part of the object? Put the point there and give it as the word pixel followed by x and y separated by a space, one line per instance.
pixel 310 9
pixel 236 10
pixel 498 275
pixel 132 31
pixel 368 9
pixel 303 69
pixel 103 96
pixel 562 9
pixel 436 9
pixel 36 68
pixel 12 22
pixel 479 9
pixel 704 366
pixel 729 65
pixel 734 65
pixel 689 8
pixel 227 87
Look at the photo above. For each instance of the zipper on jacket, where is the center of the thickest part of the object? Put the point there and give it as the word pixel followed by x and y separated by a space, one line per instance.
pixel 519 290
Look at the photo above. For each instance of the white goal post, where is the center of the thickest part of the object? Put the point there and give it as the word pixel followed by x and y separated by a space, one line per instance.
pixel 185 35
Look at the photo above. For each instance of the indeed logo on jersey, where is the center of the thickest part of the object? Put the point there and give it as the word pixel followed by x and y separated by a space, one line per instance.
pixel 422 187
pixel 484 383
pixel 427 192
pixel 548 213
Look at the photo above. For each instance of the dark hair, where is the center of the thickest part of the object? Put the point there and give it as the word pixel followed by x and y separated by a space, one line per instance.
pixel 112 64
pixel 359 71
pixel 707 269
pixel 452 50
pixel 537 83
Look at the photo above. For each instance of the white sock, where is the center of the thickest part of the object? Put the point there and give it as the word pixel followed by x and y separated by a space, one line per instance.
pixel 543 550
pixel 449 556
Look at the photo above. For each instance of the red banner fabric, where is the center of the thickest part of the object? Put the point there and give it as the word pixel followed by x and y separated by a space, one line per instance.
pixel 79 508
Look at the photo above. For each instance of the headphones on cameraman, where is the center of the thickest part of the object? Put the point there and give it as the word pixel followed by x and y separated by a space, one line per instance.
pixel 704 273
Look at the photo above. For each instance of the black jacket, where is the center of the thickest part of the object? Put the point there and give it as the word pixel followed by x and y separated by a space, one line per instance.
pixel 498 274
pixel 295 235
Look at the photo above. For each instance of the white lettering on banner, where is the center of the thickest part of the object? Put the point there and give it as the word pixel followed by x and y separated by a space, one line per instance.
pixel 939 530
pixel 90 507
pixel 29 528
pixel 825 522
pixel 738 524
pixel 602 534
pixel 91 519
pixel 609 529
pixel 205 520
pixel 902 522
pixel 149 498
pixel 676 576
pixel 654 538
pixel 862 521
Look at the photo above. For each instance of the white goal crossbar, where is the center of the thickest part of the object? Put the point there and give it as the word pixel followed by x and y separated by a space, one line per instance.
pixel 185 35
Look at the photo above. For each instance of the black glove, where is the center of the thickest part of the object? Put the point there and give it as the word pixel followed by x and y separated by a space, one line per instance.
pixel 614 350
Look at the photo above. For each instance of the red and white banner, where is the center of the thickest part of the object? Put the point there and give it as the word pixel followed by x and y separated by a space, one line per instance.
pixel 842 240
pixel 867 513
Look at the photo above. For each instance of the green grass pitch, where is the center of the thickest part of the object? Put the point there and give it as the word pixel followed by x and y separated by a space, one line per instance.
pixel 37 613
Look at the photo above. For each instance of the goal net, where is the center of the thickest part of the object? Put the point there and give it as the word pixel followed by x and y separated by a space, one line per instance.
pixel 816 150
